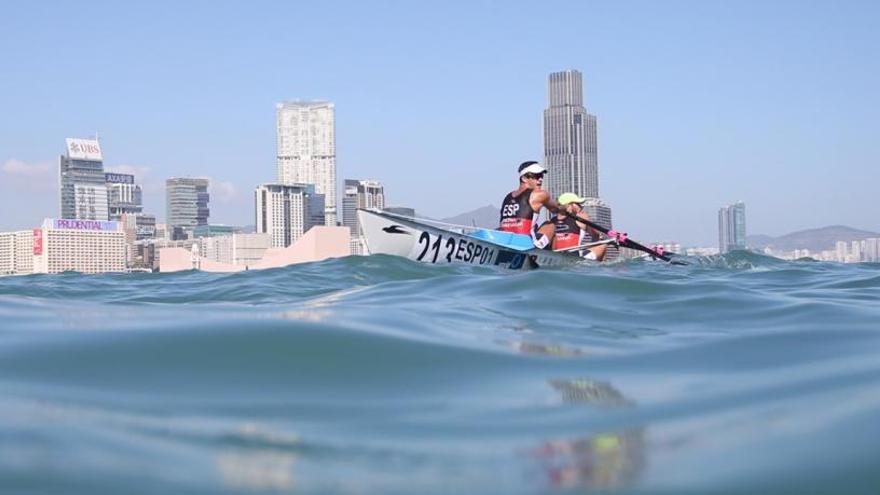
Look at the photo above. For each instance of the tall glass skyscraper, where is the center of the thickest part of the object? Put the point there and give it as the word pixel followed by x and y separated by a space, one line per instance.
pixel 732 227
pixel 570 148
pixel 186 205
pixel 83 190
pixel 306 148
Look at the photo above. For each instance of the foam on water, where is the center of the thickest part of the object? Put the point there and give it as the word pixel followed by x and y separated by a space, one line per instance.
pixel 734 374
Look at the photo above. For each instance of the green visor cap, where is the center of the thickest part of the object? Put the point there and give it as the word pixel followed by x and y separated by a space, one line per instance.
pixel 568 198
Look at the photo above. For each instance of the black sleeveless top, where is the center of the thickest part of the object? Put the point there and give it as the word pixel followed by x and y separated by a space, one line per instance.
pixel 568 234
pixel 517 214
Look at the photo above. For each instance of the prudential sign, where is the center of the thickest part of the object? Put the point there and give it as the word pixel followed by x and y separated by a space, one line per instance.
pixel 84 149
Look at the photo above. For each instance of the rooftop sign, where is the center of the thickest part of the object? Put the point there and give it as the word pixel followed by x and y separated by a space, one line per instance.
pixel 70 224
pixel 84 149
pixel 114 178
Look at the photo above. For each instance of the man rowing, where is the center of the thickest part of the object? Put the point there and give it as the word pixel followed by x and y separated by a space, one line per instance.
pixel 568 233
pixel 520 208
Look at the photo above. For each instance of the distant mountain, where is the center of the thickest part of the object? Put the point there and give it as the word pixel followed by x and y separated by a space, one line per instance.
pixel 485 217
pixel 820 239
pixel 759 241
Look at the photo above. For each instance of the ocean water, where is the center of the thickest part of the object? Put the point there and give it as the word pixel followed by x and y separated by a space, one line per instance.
pixel 736 374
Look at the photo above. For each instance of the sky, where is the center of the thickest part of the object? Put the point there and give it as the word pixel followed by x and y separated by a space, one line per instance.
pixel 699 104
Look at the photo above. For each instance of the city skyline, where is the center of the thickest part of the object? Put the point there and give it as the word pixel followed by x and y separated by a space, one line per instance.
pixel 666 137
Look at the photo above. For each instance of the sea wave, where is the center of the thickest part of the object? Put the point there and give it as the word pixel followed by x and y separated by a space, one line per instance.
pixel 738 374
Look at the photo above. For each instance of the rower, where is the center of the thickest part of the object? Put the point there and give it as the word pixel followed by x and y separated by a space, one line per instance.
pixel 568 232
pixel 520 208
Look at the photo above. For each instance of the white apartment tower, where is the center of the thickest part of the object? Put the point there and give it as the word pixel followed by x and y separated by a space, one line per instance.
pixel 281 212
pixel 570 142
pixel 306 148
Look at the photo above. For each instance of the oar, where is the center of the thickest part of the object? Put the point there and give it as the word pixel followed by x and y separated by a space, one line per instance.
pixel 627 242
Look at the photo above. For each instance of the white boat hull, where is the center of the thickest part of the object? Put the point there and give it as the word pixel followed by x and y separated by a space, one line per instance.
pixel 387 233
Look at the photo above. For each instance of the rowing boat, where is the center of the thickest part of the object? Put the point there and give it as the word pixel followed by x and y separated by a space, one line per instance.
pixel 431 242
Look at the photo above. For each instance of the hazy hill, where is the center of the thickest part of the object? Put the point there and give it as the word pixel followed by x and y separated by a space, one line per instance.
pixel 813 239
pixel 485 217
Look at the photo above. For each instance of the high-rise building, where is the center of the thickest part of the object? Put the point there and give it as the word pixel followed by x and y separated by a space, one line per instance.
pixel 281 212
pixel 598 211
pixel 732 227
pixel 570 142
pixel 123 195
pixel 841 251
pixel 360 194
pixel 83 188
pixel 186 205
pixel 855 254
pixel 872 249
pixel 306 149
pixel 315 214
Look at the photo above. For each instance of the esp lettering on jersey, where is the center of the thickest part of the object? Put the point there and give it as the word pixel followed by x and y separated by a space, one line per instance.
pixel 517 215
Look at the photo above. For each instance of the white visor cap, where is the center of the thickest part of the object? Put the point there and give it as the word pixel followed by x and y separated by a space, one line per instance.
pixel 532 169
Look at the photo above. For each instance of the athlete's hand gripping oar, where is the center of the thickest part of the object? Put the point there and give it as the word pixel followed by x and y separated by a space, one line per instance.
pixel 625 241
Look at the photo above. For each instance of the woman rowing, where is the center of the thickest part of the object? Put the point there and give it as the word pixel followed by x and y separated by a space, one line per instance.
pixel 568 232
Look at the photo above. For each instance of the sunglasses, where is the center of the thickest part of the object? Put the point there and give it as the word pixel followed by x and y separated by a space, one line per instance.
pixel 534 176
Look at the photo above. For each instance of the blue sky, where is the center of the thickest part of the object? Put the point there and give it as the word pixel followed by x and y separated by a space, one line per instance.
pixel 699 104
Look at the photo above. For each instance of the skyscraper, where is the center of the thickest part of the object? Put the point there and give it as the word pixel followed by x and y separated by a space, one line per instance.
pixel 570 144
pixel 732 227
pixel 314 205
pixel 281 211
pixel 83 188
pixel 598 211
pixel 306 148
pixel 186 205
pixel 123 195
pixel 360 194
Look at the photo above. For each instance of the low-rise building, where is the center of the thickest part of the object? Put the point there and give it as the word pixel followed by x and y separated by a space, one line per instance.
pixel 358 246
pixel 85 246
pixel 235 249
pixel 16 252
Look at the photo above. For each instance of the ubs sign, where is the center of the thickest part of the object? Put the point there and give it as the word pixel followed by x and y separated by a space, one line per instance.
pixel 84 149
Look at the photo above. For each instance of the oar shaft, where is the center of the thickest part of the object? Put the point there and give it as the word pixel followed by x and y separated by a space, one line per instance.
pixel 629 243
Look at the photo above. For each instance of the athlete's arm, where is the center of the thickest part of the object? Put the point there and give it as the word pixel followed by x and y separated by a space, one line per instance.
pixel 542 198
pixel 583 226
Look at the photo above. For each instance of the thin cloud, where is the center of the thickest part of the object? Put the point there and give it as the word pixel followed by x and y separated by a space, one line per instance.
pixel 24 169
pixel 223 191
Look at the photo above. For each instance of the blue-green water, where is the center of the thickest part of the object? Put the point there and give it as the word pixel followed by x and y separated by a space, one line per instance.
pixel 740 374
